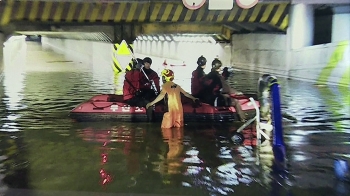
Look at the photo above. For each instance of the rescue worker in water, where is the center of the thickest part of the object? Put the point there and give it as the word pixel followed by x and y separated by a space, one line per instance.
pixel 174 117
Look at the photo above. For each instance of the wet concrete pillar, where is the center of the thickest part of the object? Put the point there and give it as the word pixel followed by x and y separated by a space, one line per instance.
pixel 2 40
pixel 301 26
pixel 300 32
pixel 341 20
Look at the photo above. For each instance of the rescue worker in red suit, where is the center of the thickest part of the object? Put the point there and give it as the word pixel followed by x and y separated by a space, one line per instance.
pixel 216 88
pixel 149 81
pixel 197 78
pixel 132 91
pixel 175 115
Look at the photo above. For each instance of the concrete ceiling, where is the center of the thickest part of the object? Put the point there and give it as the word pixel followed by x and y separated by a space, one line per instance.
pixel 264 17
pixel 236 26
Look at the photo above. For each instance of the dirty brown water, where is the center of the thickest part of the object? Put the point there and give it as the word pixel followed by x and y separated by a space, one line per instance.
pixel 44 152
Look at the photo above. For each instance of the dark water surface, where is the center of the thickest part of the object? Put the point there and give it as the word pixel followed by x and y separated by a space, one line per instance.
pixel 43 152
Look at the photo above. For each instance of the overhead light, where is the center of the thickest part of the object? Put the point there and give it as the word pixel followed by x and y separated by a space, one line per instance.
pixel 211 40
pixel 139 38
pixel 150 38
pixel 155 38
pixel 161 37
pixel 144 38
pixel 168 38
pixel 177 38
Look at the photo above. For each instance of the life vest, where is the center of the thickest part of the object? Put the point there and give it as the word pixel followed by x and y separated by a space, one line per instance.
pixel 131 84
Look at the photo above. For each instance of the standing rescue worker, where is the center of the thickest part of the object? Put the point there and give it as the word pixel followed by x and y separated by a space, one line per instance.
pixel 197 78
pixel 132 92
pixel 174 117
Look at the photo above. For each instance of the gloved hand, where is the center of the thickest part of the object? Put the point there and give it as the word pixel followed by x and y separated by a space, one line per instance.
pixel 149 83
pixel 196 103
pixel 148 105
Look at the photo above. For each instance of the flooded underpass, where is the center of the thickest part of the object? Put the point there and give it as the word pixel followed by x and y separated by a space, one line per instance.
pixel 44 152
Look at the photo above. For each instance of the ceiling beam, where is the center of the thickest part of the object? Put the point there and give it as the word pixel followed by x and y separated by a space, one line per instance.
pixel 234 27
pixel 181 28
pixel 320 1
pixel 267 27
pixel 247 26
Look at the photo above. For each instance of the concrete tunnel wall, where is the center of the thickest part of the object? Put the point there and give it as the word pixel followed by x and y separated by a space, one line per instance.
pixel 11 48
pixel 263 53
pixel 87 52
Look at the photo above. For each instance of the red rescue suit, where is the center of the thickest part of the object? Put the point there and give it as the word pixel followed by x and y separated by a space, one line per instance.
pixel 145 83
pixel 131 83
pixel 197 81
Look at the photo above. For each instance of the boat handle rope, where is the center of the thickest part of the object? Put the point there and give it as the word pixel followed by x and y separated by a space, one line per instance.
pixel 114 103
pixel 99 107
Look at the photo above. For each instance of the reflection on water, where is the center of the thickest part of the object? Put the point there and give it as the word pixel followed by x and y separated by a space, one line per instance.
pixel 41 149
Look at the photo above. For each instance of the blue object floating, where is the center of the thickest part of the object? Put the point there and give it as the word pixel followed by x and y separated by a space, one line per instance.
pixel 341 169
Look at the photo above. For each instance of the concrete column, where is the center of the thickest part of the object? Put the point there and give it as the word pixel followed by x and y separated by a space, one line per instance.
pixel 301 26
pixel 341 23
pixel 2 40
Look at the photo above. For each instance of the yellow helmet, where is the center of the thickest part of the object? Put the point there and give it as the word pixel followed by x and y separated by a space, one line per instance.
pixel 168 75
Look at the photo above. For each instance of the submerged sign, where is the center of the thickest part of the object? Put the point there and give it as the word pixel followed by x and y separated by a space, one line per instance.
pixel 122 57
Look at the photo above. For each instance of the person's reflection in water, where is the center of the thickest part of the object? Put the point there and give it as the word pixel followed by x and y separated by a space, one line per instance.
pixel 174 138
pixel 14 164
pixel 132 150
pixel 341 188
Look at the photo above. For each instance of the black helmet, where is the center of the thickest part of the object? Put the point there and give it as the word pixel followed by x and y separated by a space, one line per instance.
pixel 137 63
pixel 147 60
pixel 216 63
pixel 201 61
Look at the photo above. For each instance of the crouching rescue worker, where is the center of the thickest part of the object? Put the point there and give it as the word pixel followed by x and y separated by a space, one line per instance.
pixel 132 92
pixel 174 117
pixel 218 88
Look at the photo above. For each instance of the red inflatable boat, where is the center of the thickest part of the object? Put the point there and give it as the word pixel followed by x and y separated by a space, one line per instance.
pixel 111 107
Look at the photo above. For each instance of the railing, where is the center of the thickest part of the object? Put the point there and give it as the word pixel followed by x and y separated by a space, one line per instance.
pixel 268 92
